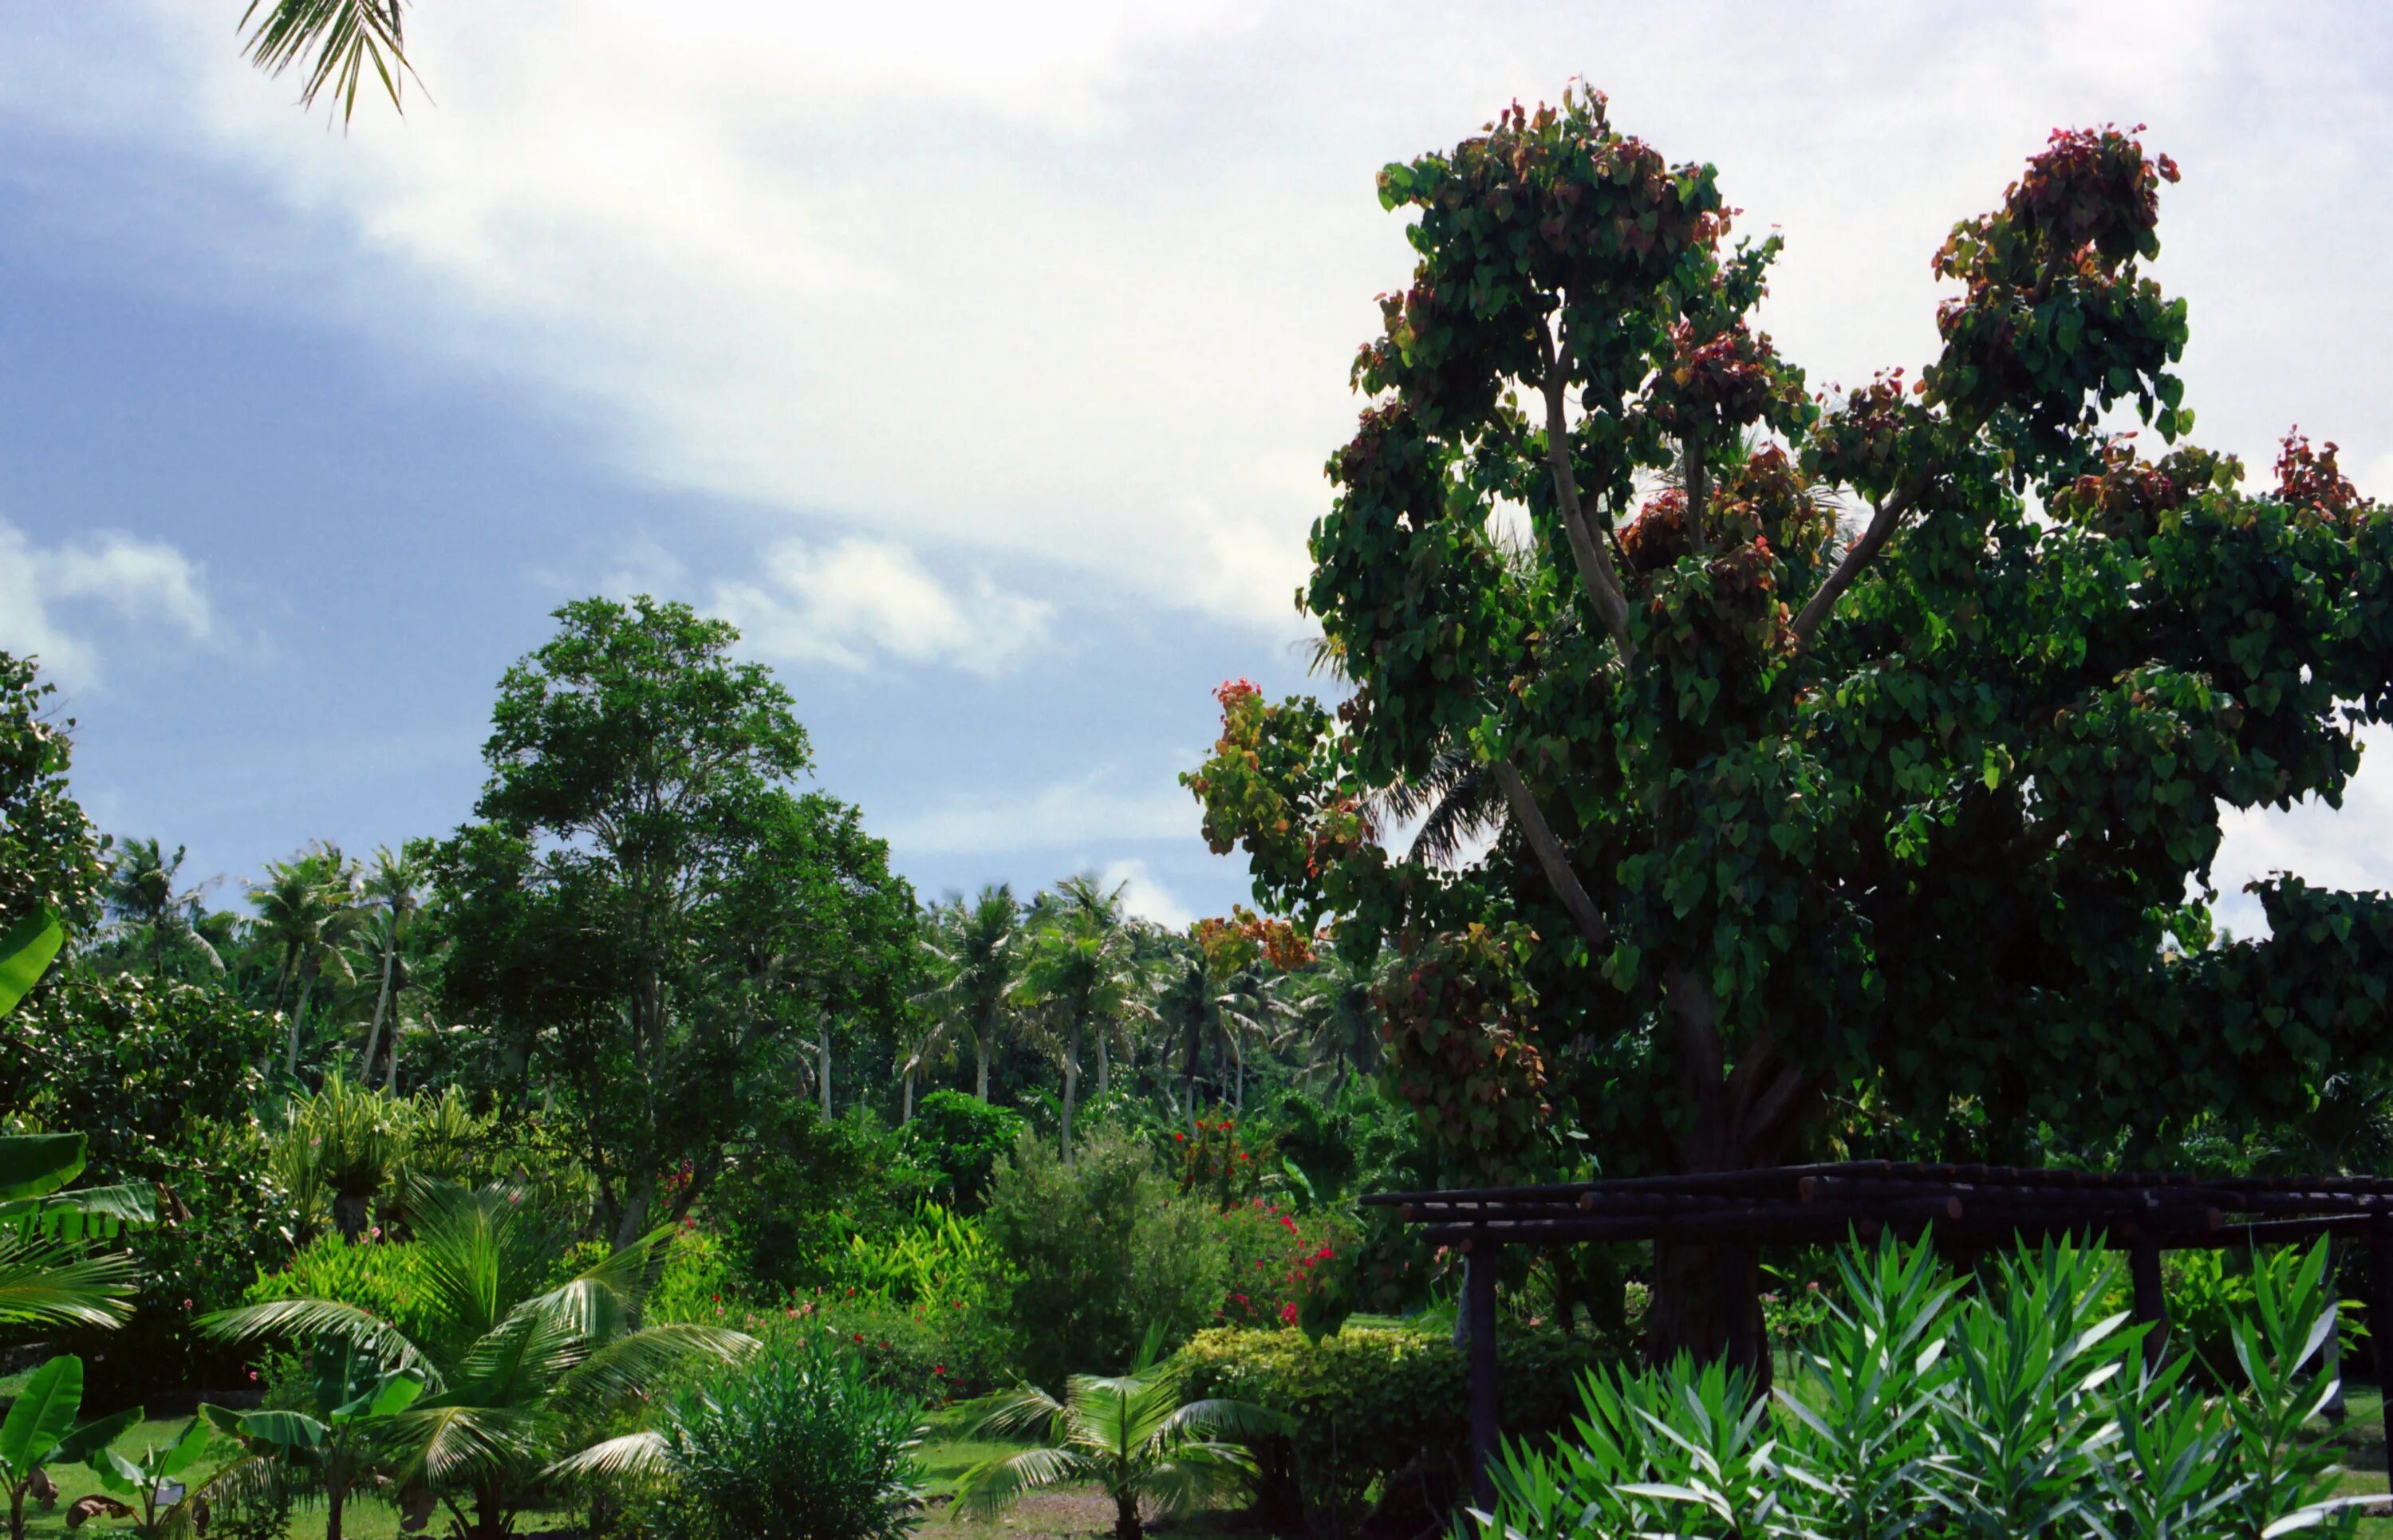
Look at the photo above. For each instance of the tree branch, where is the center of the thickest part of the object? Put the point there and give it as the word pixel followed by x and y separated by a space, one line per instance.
pixel 1883 518
pixel 1595 573
pixel 1550 859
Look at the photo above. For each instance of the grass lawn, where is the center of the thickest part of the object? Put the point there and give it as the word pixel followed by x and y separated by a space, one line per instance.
pixel 360 1520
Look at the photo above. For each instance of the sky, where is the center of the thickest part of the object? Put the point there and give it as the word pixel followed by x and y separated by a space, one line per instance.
pixel 979 362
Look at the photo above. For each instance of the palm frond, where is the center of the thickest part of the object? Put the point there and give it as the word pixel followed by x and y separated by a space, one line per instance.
pixel 1215 1415
pixel 637 1456
pixel 988 1487
pixel 46 1283
pixel 1197 1475
pixel 1025 1412
pixel 309 1319
pixel 639 1363
pixel 449 1444
pixel 347 37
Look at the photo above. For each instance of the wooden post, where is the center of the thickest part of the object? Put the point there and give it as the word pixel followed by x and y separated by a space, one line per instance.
pixel 2151 1301
pixel 1479 1303
pixel 2380 1313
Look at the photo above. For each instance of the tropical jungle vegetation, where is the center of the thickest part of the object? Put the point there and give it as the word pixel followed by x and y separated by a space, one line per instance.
pixel 1719 771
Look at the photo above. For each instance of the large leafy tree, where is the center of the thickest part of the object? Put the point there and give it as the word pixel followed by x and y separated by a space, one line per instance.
pixel 651 913
pixel 308 913
pixel 1798 827
pixel 50 857
pixel 151 911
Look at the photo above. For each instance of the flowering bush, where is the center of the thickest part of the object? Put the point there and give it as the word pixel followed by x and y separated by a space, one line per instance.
pixel 1278 1261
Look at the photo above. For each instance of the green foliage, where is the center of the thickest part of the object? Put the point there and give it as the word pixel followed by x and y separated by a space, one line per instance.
pixel 1379 1407
pixel 1097 1251
pixel 1787 824
pixel 389 1279
pixel 141 1482
pixel 50 858
pixel 805 1186
pixel 326 1444
pixel 520 1367
pixel 41 1429
pixel 338 1150
pixel 1136 1436
pixel 795 1443
pixel 650 915
pixel 962 1138
pixel 2021 1410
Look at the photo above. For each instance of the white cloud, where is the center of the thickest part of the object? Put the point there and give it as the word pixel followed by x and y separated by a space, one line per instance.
pixel 48 595
pixel 2350 849
pixel 1066 815
pixel 1144 896
pixel 845 603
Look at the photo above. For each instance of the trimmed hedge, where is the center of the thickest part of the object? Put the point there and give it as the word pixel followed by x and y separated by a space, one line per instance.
pixel 1380 1416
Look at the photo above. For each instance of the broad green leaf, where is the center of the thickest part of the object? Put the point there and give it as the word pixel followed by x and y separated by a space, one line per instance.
pixel 115 1473
pixel 187 1448
pixel 25 954
pixel 42 1414
pixel 96 1434
pixel 34 1165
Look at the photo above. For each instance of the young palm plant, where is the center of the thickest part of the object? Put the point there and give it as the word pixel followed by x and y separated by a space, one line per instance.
pixel 517 1371
pixel 1130 1435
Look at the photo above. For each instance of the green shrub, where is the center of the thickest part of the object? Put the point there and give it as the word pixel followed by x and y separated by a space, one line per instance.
pixel 1380 1407
pixel 699 1282
pixel 793 1443
pixel 1096 1251
pixel 938 1256
pixel 2020 1408
pixel 962 1138
pixel 933 1352
pixel 787 1210
pixel 388 1278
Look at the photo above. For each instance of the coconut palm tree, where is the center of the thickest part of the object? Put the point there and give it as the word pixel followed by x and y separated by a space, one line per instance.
pixel 154 914
pixel 1130 1435
pixel 515 1368
pixel 925 1040
pixel 1336 1016
pixel 394 894
pixel 1082 971
pixel 306 910
pixel 976 955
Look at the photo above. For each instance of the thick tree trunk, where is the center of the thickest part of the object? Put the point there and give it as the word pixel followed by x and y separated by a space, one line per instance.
pixel 905 1108
pixel 1126 1525
pixel 822 1051
pixel 1707 1298
pixel 980 1071
pixel 1104 1063
pixel 632 1222
pixel 390 1077
pixel 333 1498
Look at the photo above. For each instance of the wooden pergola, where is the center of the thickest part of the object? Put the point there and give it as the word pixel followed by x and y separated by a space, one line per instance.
pixel 1971 1209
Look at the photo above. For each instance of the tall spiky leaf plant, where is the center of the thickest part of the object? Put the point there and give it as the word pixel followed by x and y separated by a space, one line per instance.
pixel 519 1372
pixel 1132 1436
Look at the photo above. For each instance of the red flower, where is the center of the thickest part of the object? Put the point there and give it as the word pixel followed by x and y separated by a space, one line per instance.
pixel 859 1340
pixel 938 1368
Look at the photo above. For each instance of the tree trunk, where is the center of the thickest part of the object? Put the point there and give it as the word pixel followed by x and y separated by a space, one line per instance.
pixel 349 1218
pixel 906 1113
pixel 390 1077
pixel 332 1497
pixel 299 1021
pixel 373 1038
pixel 822 1049
pixel 1104 1062
pixel 1071 1084
pixel 1707 1297
pixel 634 1221
pixel 980 1058
pixel 1126 1525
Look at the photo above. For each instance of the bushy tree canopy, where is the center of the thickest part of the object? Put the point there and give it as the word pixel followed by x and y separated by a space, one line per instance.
pixel 1804 825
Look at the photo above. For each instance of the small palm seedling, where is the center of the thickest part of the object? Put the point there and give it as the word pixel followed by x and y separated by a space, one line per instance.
pixel 41 1431
pixel 1130 1435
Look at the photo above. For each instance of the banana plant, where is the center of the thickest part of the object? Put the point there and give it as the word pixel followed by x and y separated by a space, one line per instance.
pixel 158 1498
pixel 41 1431
pixel 350 1394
